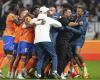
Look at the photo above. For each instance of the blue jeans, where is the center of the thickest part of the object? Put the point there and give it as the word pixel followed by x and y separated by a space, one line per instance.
pixel 42 49
pixel 53 36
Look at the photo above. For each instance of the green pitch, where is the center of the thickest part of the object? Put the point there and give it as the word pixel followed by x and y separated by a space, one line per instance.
pixel 93 69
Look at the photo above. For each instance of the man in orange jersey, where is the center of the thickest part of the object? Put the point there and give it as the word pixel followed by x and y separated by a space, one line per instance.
pixel 8 38
pixel 12 68
pixel 15 60
pixel 25 46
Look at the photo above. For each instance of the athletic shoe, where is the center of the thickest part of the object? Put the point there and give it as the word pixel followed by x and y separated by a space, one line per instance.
pixel 11 75
pixel 39 76
pixel 77 75
pixel 55 75
pixel 1 75
pixel 8 75
pixel 20 76
pixel 63 76
pixel 85 73
pixel 24 73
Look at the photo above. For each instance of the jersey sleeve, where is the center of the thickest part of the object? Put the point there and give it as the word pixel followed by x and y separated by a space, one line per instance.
pixel 9 21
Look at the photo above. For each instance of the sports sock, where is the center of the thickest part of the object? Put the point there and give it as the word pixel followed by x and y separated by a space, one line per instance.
pixel 1 59
pixel 5 61
pixel 76 69
pixel 31 63
pixel 47 68
pixel 67 68
pixel 21 64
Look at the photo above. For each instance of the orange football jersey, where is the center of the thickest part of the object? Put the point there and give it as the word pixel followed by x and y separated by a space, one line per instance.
pixel 10 25
pixel 27 34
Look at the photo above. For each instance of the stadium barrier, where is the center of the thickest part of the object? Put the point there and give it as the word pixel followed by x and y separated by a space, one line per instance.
pixel 93 28
pixel 90 50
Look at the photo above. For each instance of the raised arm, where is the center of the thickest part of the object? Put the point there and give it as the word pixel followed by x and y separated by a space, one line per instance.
pixel 19 21
pixel 54 22
pixel 32 22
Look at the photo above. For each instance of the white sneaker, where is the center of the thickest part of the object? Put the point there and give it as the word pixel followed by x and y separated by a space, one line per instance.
pixel 12 75
pixel 56 75
pixel 16 74
pixel 20 76
pixel 63 76
pixel 8 75
pixel 24 73
pixel 1 75
pixel 39 75
pixel 78 75
pixel 85 73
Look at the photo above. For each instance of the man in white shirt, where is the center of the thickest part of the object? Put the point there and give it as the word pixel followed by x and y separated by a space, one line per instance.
pixel 43 41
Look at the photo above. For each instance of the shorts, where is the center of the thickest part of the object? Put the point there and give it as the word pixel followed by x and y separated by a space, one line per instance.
pixel 25 48
pixel 8 43
pixel 78 43
pixel 15 48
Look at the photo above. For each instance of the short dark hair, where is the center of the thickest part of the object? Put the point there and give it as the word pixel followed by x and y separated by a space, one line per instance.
pixel 80 7
pixel 65 9
pixel 35 7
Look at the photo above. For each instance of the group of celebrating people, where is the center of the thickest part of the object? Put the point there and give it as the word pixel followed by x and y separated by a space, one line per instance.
pixel 44 43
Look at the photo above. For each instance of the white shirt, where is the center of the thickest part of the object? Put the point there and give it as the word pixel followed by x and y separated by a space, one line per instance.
pixel 42 31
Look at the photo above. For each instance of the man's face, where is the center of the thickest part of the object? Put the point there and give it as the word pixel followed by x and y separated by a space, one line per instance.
pixel 68 13
pixel 23 13
pixel 79 12
pixel 37 11
pixel 52 10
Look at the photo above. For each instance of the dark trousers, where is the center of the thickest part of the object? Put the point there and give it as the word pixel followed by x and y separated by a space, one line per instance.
pixel 64 53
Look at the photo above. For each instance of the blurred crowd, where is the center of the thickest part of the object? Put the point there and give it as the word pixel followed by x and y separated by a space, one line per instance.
pixel 93 6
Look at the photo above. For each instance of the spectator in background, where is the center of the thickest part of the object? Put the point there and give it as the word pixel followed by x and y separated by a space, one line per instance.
pixel 92 9
pixel 27 3
pixel 37 2
pixel 88 2
pixel 48 3
pixel 93 18
pixel 2 19
pixel 97 35
pixel 98 1
pixel 72 2
pixel 59 4
pixel 5 7
pixel 3 1
pixel 0 8
pixel 82 3
pixel 98 11
pixel 5 10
